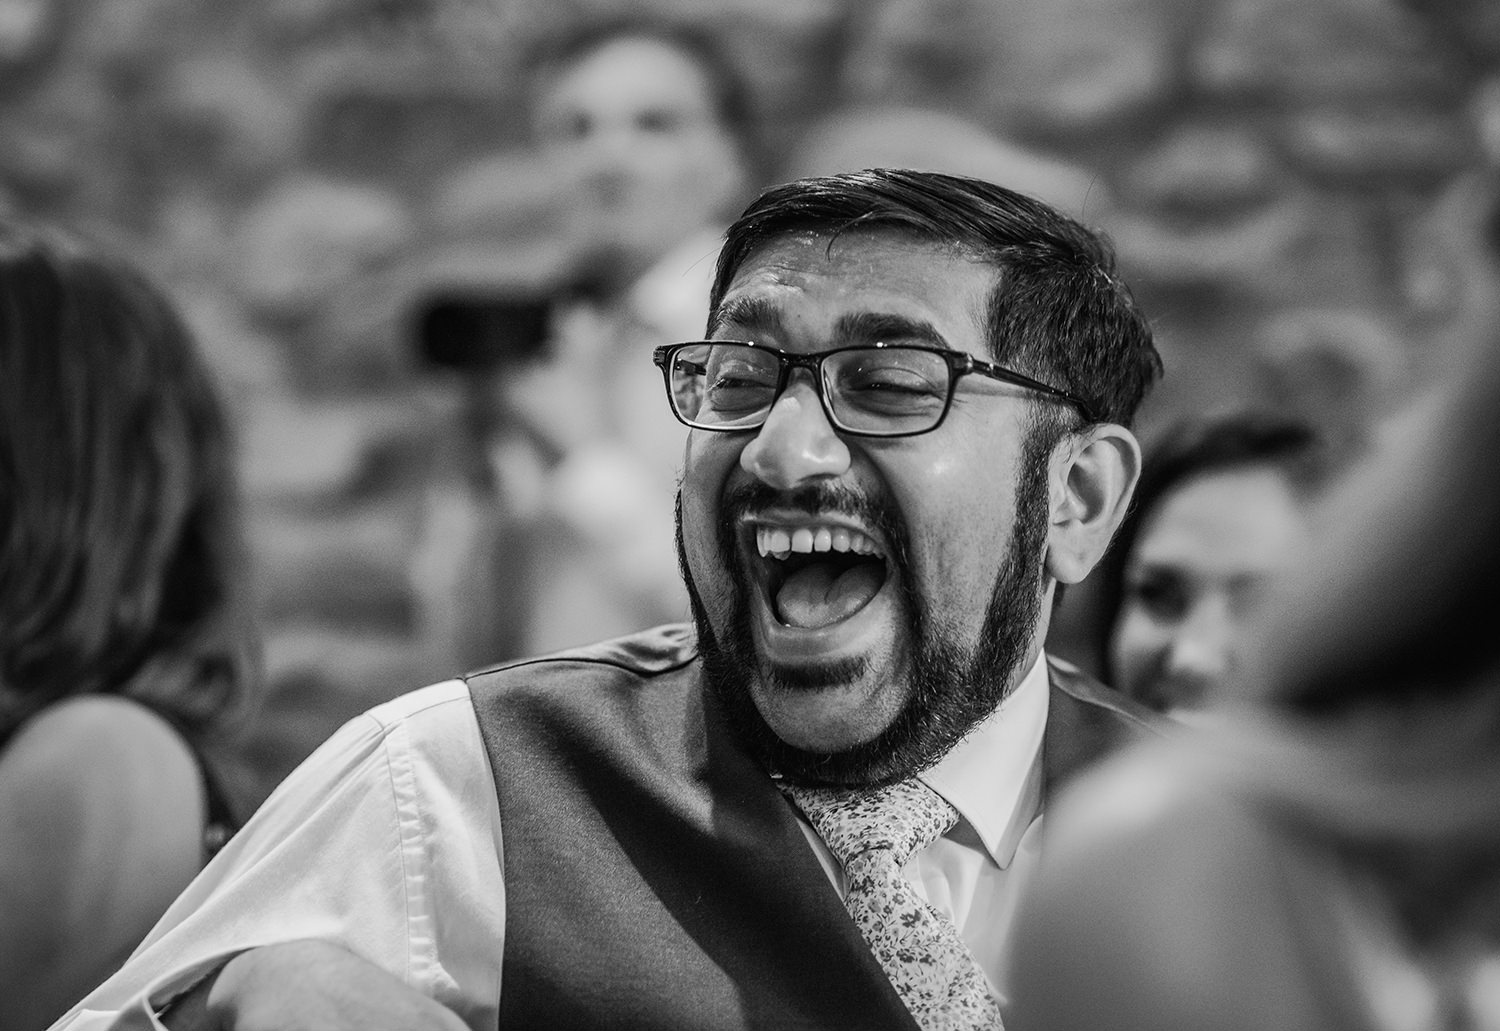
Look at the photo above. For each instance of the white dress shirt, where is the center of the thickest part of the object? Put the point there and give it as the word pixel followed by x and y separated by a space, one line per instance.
pixel 387 840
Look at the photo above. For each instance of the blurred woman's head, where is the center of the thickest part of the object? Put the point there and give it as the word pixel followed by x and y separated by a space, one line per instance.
pixel 121 557
pixel 1220 512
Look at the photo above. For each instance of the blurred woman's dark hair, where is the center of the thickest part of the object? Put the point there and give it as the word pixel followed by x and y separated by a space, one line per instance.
pixel 122 560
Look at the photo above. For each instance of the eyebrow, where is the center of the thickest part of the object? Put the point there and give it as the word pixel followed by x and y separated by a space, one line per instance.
pixel 869 327
pixel 753 313
pixel 759 315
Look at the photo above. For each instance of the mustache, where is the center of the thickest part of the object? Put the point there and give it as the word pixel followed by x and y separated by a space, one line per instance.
pixel 812 499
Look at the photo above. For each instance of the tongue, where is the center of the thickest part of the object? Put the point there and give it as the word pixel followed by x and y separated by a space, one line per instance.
pixel 824 592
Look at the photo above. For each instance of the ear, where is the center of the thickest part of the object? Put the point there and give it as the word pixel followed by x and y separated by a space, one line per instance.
pixel 1093 475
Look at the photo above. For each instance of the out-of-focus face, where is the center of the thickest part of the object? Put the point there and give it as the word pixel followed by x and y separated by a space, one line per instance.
pixel 864 601
pixel 1198 569
pixel 632 127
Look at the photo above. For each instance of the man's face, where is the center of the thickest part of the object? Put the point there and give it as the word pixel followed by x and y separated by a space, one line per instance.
pixel 1197 571
pixel 862 602
pixel 632 125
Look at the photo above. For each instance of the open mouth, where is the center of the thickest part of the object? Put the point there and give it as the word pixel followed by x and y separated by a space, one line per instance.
pixel 814 575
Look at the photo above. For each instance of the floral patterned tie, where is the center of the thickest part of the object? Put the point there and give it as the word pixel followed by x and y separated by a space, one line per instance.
pixel 873 833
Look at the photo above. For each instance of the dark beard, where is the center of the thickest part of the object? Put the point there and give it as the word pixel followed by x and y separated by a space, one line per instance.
pixel 954 687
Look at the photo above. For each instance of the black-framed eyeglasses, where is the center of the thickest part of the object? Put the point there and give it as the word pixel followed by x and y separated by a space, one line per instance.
pixel 872 390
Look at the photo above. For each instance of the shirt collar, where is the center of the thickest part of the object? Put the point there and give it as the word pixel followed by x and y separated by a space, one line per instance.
pixel 993 776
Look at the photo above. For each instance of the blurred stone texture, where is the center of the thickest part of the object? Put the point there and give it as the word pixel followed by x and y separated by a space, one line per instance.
pixel 298 171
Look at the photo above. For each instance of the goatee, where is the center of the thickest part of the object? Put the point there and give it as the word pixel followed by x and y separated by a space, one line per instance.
pixel 954 685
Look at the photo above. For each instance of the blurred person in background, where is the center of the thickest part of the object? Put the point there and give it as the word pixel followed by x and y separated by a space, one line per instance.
pixel 647 127
pixel 1222 510
pixel 125 648
pixel 648 123
pixel 1328 856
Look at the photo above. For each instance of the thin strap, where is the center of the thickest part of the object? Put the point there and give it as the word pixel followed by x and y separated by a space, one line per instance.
pixel 220 815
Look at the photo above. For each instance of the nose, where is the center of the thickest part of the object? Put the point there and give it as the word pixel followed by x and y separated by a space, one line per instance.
pixel 796 443
pixel 1201 653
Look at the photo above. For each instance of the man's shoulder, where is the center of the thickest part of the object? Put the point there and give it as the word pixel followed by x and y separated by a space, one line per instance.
pixel 634 696
pixel 1095 696
pixel 1087 720
pixel 610 673
pixel 647 653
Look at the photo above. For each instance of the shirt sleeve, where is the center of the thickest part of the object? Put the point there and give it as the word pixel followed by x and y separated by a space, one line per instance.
pixel 393 816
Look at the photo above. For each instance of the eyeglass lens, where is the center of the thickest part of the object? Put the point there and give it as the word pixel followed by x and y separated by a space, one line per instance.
pixel 867 389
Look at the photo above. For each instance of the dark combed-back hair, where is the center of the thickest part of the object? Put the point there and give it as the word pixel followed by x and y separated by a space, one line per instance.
pixel 121 552
pixel 1058 311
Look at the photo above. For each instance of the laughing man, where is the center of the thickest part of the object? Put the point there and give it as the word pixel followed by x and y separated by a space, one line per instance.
pixel 817 806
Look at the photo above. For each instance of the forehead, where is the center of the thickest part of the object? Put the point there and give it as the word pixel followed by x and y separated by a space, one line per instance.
pixel 1234 521
pixel 627 74
pixel 810 283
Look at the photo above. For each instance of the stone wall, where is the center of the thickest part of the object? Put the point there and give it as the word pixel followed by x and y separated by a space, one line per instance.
pixel 291 168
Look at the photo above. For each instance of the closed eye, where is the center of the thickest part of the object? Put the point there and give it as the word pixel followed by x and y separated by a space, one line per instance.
pixel 894 384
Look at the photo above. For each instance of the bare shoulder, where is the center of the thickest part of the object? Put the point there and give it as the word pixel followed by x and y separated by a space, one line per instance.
pixel 100 743
pixel 103 809
pixel 104 772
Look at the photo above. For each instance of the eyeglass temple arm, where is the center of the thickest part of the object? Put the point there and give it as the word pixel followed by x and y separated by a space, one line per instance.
pixel 1020 379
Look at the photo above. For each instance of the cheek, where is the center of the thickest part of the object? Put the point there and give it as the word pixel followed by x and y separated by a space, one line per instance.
pixel 698 531
pixel 706 468
pixel 960 531
pixel 1136 642
pixel 666 164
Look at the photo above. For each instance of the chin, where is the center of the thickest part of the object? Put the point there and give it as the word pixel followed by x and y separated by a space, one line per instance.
pixel 827 719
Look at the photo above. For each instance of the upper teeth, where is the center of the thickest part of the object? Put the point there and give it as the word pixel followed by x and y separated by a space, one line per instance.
pixel 778 542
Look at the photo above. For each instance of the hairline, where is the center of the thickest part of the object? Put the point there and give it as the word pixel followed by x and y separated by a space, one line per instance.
pixel 726 274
